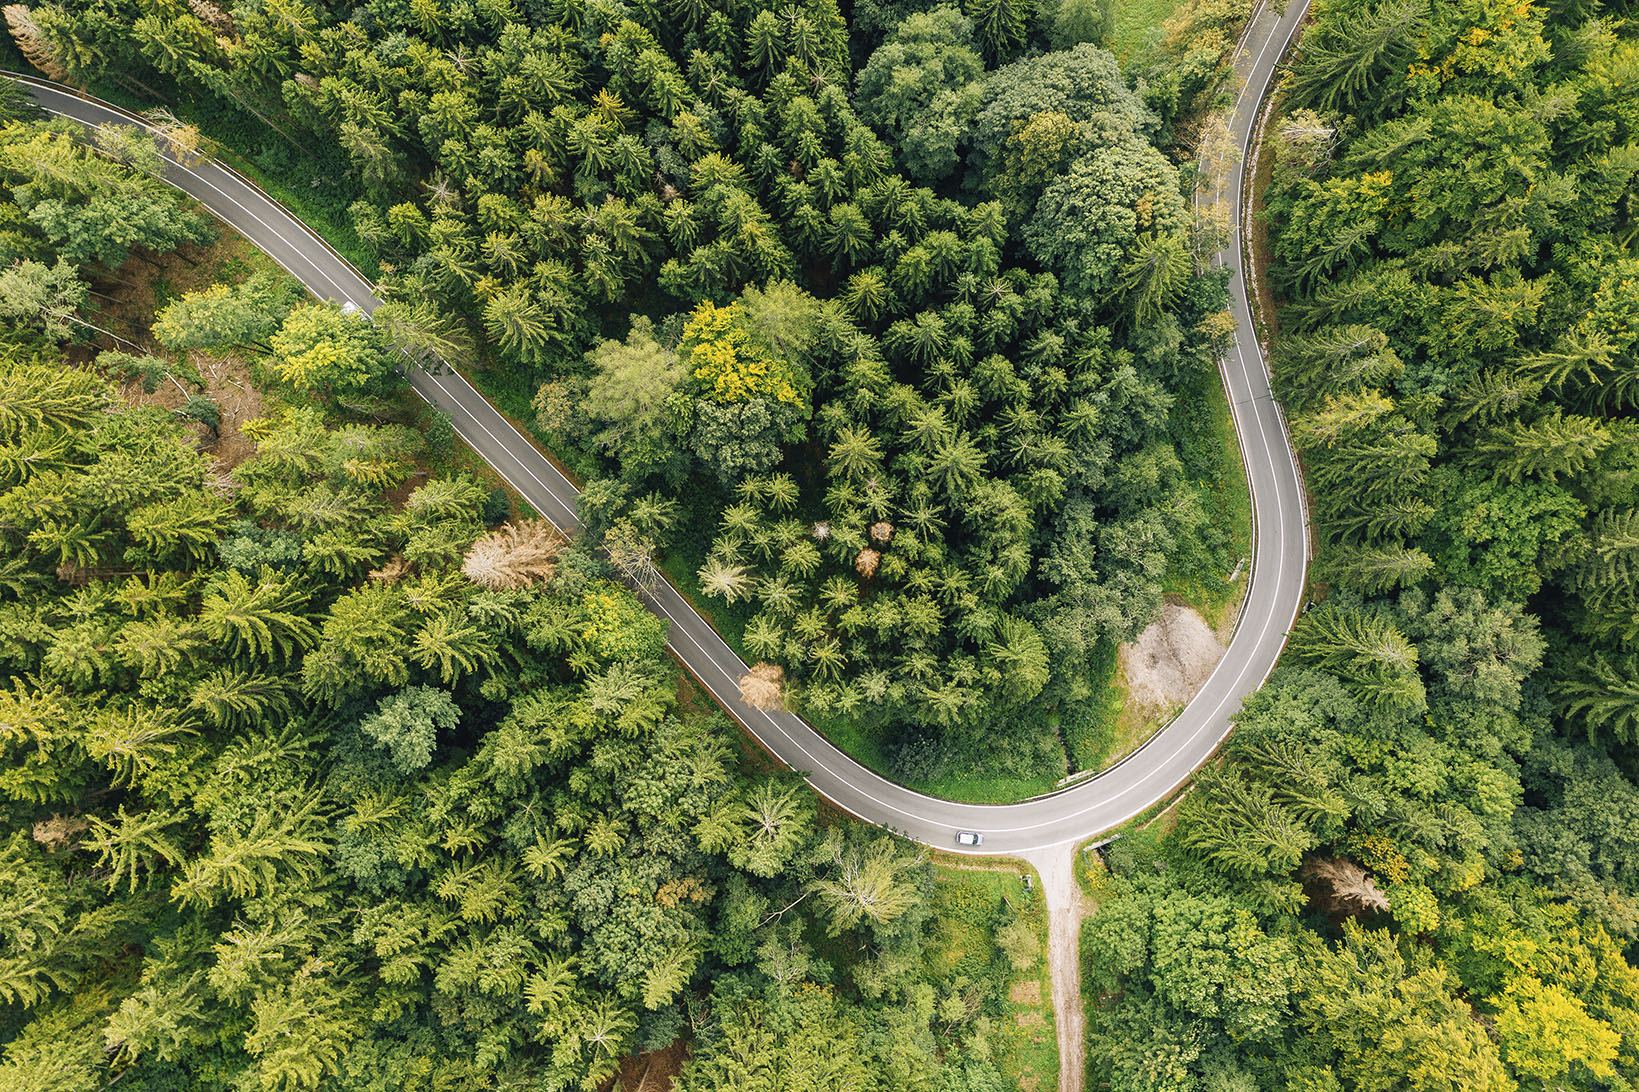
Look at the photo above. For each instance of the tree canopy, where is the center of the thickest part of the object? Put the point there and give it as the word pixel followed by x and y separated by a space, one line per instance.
pixel 907 355
pixel 878 325
pixel 320 771
pixel 1416 818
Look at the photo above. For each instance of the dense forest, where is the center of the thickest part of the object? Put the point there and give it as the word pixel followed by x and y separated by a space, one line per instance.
pixel 325 767
pixel 1416 868
pixel 322 771
pixel 899 310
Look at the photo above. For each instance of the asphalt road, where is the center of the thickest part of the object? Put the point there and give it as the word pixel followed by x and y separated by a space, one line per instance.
pixel 1280 553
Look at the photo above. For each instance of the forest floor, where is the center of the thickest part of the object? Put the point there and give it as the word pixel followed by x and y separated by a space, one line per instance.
pixel 127 308
pixel 651 1072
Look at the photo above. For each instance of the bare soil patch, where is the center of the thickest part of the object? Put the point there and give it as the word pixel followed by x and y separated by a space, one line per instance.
pixel 1160 672
pixel 1169 661
pixel 227 382
pixel 126 302
pixel 1026 992
pixel 652 1072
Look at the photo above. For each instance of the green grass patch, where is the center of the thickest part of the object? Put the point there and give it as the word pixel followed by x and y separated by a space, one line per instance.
pixel 1138 27
pixel 512 394
pixel 1090 735
pixel 867 747
pixel 1208 572
pixel 971 907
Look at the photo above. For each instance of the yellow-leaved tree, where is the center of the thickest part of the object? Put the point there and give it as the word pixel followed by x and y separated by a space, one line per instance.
pixel 334 353
pixel 743 401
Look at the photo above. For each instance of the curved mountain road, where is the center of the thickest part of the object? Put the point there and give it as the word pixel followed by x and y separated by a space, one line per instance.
pixel 1092 805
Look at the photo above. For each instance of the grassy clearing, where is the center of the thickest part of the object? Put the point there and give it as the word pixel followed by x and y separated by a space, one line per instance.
pixel 1096 730
pixel 1138 27
pixel 986 788
pixel 971 906
pixel 867 747
pixel 1134 725
pixel 1209 575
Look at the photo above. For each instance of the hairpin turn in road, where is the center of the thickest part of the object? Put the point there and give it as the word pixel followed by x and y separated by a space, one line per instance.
pixel 1279 557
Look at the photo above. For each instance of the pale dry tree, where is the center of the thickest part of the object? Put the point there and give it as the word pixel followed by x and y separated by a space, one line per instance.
pixel 395 570
pixel 1352 887
pixel 727 581
pixel 60 831
pixel 1312 137
pixel 441 192
pixel 460 58
pixel 32 42
pixel 214 17
pixel 822 531
pixel 514 555
pixel 872 882
pixel 866 562
pixel 187 145
pixel 763 687
pixel 632 555
pixel 881 532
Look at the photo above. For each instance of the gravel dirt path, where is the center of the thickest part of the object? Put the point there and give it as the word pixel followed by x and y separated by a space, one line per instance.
pixel 1056 866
